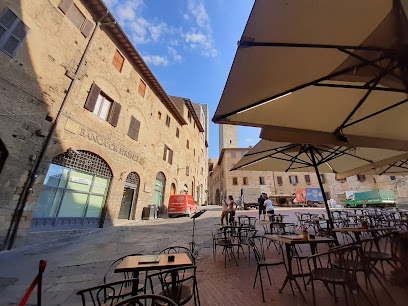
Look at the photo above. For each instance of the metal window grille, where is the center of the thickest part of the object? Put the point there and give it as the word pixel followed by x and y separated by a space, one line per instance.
pixel 83 161
pixel 160 177
pixel 132 178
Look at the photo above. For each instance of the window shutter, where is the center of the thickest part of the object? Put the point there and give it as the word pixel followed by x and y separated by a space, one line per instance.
pixel 171 157
pixel 7 20
pixel 134 128
pixel 12 33
pixel 65 5
pixel 92 97
pixel 87 28
pixel 114 113
pixel 165 151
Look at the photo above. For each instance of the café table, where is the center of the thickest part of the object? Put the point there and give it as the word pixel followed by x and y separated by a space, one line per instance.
pixel 290 242
pixel 357 231
pixel 134 264
pixel 276 226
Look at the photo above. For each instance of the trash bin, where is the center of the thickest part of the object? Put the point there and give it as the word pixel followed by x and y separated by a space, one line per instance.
pixel 162 211
pixel 149 212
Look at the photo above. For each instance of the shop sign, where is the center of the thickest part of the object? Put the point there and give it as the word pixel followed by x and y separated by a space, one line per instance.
pixel 102 141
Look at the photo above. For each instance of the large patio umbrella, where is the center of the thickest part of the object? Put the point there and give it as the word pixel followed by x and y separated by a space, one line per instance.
pixel 295 157
pixel 322 72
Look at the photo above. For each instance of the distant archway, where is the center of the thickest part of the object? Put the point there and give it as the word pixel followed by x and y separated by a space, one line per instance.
pixel 172 189
pixel 159 189
pixel 217 197
pixel 129 198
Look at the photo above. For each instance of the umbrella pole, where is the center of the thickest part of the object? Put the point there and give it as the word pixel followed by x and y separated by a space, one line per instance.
pixel 322 189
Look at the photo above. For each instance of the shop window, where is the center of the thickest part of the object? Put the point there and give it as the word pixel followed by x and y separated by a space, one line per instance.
pixel 293 179
pixel 233 154
pixel 12 32
pixel 245 181
pixel 76 185
pixel 307 179
pixel 142 88
pixel 361 177
pixel 168 155
pixel 261 180
pixel 103 106
pixel 118 61
pixel 78 19
pixel 168 120
pixel 234 181
pixel 177 133
pixel 134 128
pixel 279 180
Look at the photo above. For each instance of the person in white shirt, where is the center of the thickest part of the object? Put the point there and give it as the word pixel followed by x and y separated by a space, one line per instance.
pixel 225 206
pixel 270 210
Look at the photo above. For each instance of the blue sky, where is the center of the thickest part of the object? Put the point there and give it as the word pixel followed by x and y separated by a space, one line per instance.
pixel 189 45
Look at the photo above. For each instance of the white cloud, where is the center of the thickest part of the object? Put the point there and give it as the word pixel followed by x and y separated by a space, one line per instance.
pixel 156 60
pixel 196 38
pixel 128 10
pixel 111 3
pixel 186 17
pixel 249 140
pixel 197 9
pixel 176 57
pixel 138 29
pixel 157 30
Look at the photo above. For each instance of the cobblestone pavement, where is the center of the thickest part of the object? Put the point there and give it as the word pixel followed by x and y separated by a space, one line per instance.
pixel 79 262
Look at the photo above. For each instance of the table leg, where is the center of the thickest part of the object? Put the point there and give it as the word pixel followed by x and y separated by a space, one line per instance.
pixel 135 285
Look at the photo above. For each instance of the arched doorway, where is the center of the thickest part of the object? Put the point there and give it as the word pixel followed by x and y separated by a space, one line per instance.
pixel 3 154
pixel 74 191
pixel 159 189
pixel 217 197
pixel 172 189
pixel 129 198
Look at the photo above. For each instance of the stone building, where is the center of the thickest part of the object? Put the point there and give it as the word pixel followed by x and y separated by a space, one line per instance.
pixel 223 181
pixel 120 142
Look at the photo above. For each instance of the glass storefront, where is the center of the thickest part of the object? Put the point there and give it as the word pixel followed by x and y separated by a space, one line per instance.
pixel 76 187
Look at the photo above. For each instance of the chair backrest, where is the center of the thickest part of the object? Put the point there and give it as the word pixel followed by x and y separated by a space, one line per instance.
pixel 258 244
pixel 109 273
pixel 147 299
pixel 387 243
pixel 176 288
pixel 109 293
pixel 178 250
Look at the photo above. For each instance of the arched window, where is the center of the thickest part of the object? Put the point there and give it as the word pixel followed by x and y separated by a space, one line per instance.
pixel 129 198
pixel 75 186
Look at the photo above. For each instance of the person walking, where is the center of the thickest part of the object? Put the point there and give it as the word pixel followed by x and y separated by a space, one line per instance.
pixel 224 213
pixel 270 210
pixel 261 204
pixel 231 210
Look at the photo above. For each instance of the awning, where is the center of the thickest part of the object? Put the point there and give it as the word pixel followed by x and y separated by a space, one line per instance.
pixel 332 70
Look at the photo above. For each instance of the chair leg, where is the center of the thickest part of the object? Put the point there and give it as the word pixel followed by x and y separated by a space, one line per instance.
pixel 313 291
pixel 267 271
pixel 345 294
pixel 260 278
pixel 256 275
pixel 383 286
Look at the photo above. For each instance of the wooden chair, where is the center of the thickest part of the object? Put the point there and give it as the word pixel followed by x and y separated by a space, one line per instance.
pixel 181 289
pixel 109 293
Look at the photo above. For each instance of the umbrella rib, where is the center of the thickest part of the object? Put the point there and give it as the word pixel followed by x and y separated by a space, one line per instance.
pixel 246 44
pixel 376 113
pixel 327 77
pixel 299 161
pixel 332 153
pixel 363 99
pixel 387 169
pixel 365 60
pixel 289 146
pixel 293 159
pixel 360 87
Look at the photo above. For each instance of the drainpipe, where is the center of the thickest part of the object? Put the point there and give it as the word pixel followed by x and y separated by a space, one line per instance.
pixel 28 186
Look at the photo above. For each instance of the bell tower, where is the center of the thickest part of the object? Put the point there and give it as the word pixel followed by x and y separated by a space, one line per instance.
pixel 228 136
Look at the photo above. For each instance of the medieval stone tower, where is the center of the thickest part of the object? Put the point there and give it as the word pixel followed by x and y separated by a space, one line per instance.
pixel 228 136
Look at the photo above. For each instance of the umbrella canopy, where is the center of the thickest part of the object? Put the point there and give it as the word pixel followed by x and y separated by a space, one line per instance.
pixel 344 62
pixel 343 161
pixel 294 157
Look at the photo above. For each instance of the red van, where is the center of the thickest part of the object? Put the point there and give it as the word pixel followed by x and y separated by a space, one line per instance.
pixel 181 204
